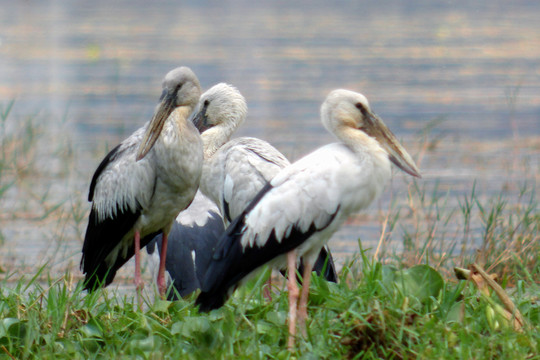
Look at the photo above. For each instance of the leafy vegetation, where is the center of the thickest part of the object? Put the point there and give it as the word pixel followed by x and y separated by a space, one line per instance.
pixel 383 313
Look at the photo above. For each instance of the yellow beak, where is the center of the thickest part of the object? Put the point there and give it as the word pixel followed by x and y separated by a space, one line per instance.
pixel 376 128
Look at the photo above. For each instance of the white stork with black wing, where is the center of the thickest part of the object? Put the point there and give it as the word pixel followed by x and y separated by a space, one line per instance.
pixel 302 206
pixel 142 184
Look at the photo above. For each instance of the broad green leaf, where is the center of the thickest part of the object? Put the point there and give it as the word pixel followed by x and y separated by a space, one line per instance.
pixel 12 327
pixel 277 317
pixel 161 306
pixel 388 274
pixel 176 328
pixel 193 325
pixel 142 343
pixel 264 327
pixel 91 331
pixel 455 312
pixel 420 282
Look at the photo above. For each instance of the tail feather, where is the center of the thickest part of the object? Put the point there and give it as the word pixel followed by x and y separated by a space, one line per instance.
pixel 324 265
pixel 225 272
pixel 225 269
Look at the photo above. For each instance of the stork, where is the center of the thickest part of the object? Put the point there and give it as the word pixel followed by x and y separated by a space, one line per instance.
pixel 233 173
pixel 142 184
pixel 305 203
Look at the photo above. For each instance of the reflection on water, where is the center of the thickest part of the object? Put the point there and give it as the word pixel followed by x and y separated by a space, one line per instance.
pixel 471 70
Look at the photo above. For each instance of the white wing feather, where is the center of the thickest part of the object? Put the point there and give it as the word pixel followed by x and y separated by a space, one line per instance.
pixel 311 191
pixel 237 172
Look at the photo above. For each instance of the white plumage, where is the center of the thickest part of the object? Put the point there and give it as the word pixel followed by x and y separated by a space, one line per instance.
pixel 238 171
pixel 143 183
pixel 234 171
pixel 311 191
pixel 308 201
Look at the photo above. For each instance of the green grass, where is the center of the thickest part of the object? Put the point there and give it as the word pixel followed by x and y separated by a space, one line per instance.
pixel 381 313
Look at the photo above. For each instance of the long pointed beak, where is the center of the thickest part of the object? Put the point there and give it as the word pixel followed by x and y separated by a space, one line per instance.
pixel 200 120
pixel 396 152
pixel 155 126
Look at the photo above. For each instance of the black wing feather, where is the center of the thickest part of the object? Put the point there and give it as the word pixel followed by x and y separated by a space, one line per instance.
pixel 324 266
pixel 102 236
pixel 186 275
pixel 100 239
pixel 227 211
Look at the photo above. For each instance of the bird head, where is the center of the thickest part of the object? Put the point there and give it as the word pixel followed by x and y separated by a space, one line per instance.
pixel 222 105
pixel 180 88
pixel 344 109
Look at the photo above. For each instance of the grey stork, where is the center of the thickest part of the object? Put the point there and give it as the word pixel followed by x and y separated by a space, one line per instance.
pixel 297 212
pixel 142 184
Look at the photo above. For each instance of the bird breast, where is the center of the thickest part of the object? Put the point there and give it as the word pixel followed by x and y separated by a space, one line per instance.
pixel 178 158
pixel 322 189
pixel 179 154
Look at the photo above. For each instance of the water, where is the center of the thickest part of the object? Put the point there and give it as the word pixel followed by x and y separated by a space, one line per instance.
pixel 91 73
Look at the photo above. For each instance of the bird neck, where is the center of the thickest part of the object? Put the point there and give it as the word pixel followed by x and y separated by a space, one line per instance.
pixel 362 144
pixel 214 138
pixel 179 116
pixel 178 127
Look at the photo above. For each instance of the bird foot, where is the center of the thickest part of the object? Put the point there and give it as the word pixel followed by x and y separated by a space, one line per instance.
pixel 267 292
pixel 162 287
pixel 139 287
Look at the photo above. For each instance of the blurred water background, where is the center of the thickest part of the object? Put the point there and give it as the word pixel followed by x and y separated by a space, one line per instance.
pixel 458 82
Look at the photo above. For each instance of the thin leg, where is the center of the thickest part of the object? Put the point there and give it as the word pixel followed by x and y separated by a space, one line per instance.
pixel 139 285
pixel 293 297
pixel 302 307
pixel 267 292
pixel 162 284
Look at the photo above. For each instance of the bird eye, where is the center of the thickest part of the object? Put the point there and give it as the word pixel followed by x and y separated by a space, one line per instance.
pixel 178 87
pixel 206 102
pixel 362 109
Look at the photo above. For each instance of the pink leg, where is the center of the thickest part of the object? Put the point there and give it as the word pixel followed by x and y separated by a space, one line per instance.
pixel 267 292
pixel 139 285
pixel 293 297
pixel 302 307
pixel 162 284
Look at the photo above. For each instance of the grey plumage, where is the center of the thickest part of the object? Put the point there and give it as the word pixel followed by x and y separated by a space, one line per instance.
pixel 143 183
